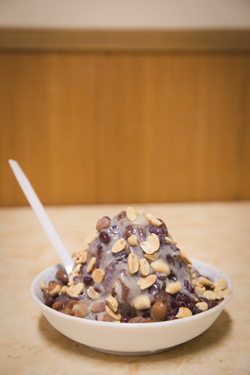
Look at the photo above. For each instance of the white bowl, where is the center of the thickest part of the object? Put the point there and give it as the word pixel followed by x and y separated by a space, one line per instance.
pixel 130 339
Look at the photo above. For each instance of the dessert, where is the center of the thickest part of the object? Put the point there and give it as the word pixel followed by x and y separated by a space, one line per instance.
pixel 131 271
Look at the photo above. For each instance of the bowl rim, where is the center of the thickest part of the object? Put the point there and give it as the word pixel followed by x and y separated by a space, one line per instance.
pixel 169 323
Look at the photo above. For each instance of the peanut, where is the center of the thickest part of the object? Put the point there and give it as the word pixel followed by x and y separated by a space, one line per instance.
pixel 142 303
pixel 92 293
pixel 202 306
pixel 132 240
pixel 91 264
pixel 131 214
pixel 112 314
pixel 112 303
pixel 205 282
pixel 146 282
pixel 97 275
pixel 173 288
pixel 119 245
pixel 183 312
pixel 91 238
pixel 133 263
pixel 153 220
pixel 221 284
pixel 144 267
pixel 161 267
pixel 210 295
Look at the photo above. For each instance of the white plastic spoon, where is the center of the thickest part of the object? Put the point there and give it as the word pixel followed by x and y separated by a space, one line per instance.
pixel 38 208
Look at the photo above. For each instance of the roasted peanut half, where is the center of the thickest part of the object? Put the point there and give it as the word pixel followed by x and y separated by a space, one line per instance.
pixel 131 214
pixel 133 263
pixel 113 315
pixel 226 293
pixel 221 284
pixel 173 288
pixel 91 264
pixel 119 245
pixel 97 275
pixel 74 291
pixel 153 220
pixel 185 258
pixel 205 282
pixel 218 293
pixel 144 267
pixel 150 256
pixel 146 282
pixel 43 285
pixel 209 295
pixel 174 240
pixel 112 303
pixel 183 312
pixel 169 239
pixel 200 289
pixel 161 267
pixel 55 291
pixel 202 306
pixel 92 293
pixel 142 303
pixel 132 240
pixel 147 247
pixel 153 239
pixel 83 258
pixel 63 290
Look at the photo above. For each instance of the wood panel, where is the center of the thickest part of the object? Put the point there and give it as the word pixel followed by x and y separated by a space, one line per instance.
pixel 125 127
pixel 125 40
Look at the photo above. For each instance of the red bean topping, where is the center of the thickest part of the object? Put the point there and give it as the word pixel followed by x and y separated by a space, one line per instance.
pixel 49 301
pixel 163 227
pixel 106 318
pixel 159 311
pixel 154 229
pixel 188 286
pixel 121 215
pixel 77 314
pixel 67 311
pixel 88 280
pixel 98 307
pixel 104 237
pixel 139 319
pixel 129 230
pixel 103 223
pixel 57 305
pixel 46 293
pixel 125 319
pixel 171 317
pixel 62 276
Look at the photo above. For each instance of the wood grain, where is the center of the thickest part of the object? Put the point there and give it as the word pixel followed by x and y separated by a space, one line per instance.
pixel 91 128
pixel 125 40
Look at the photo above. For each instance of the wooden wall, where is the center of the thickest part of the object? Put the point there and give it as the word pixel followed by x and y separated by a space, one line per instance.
pixel 122 127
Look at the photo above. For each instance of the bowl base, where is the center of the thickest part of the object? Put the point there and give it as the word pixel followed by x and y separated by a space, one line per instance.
pixel 113 352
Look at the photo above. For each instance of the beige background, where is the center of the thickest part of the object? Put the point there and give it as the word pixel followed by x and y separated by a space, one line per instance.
pixel 112 127
pixel 117 102
pixel 129 14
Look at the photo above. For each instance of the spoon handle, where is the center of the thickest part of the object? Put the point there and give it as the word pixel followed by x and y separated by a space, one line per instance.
pixel 38 208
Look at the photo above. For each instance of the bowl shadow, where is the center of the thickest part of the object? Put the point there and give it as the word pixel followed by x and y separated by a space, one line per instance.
pixel 219 330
